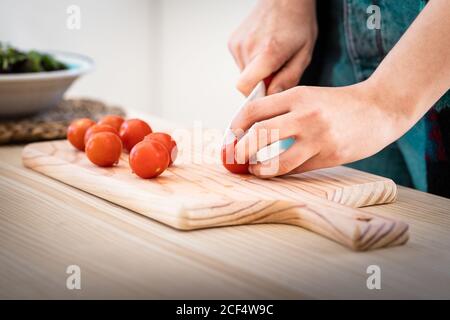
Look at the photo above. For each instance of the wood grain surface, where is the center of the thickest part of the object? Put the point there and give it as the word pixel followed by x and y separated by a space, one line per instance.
pixel 46 225
pixel 194 196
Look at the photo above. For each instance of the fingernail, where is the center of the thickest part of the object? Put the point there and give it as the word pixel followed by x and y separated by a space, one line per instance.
pixel 229 137
pixel 250 169
pixel 240 158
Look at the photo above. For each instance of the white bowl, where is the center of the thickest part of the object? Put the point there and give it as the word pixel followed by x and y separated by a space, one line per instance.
pixel 27 93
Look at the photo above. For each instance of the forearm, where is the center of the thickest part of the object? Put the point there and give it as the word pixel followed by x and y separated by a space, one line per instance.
pixel 416 72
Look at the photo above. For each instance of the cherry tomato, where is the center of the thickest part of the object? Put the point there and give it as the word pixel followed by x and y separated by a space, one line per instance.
pixel 133 131
pixel 229 161
pixel 167 141
pixel 104 149
pixel 113 120
pixel 148 159
pixel 98 128
pixel 77 130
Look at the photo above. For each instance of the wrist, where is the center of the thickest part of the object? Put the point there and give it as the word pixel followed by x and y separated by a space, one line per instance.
pixel 399 107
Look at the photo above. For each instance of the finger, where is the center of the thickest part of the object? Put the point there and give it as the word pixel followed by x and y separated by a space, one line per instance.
pixel 285 162
pixel 316 162
pixel 259 110
pixel 262 66
pixel 289 75
pixel 239 61
pixel 236 52
pixel 262 134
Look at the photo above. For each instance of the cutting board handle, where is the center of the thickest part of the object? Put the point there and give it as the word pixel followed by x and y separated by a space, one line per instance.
pixel 351 227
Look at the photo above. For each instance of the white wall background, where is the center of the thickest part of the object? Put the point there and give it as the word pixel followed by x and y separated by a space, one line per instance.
pixel 167 57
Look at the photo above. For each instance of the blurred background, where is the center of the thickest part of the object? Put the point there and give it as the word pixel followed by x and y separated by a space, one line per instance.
pixel 166 57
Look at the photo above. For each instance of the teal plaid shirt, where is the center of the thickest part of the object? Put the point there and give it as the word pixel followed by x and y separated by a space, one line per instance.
pixel 348 52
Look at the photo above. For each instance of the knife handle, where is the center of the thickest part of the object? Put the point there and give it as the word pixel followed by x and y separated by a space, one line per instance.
pixel 278 147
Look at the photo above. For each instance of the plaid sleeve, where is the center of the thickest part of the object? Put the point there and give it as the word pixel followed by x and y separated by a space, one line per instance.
pixel 443 103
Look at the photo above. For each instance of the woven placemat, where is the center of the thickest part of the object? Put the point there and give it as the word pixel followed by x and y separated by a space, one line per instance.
pixel 52 124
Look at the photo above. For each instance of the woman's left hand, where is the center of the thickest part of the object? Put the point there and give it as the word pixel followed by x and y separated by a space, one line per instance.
pixel 331 126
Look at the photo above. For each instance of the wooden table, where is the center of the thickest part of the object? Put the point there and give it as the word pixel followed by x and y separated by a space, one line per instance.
pixel 45 226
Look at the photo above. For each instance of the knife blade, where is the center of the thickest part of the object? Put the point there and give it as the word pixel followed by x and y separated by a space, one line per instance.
pixel 268 152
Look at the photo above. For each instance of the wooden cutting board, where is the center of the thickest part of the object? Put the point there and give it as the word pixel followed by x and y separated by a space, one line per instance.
pixel 193 196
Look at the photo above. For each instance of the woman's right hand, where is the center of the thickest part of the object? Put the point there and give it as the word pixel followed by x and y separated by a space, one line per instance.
pixel 278 36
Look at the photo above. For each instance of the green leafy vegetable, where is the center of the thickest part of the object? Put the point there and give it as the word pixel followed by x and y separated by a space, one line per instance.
pixel 14 61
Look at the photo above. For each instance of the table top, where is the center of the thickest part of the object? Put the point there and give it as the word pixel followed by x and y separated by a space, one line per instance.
pixel 47 226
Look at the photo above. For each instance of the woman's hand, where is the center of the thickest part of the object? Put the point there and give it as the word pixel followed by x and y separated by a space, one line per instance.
pixel 334 126
pixel 331 126
pixel 278 36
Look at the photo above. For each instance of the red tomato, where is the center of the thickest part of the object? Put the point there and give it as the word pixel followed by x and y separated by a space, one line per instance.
pixel 148 159
pixel 77 130
pixel 229 161
pixel 98 128
pixel 113 120
pixel 167 141
pixel 133 131
pixel 104 149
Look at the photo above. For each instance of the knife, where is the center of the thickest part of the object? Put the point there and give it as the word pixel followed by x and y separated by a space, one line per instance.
pixel 270 151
